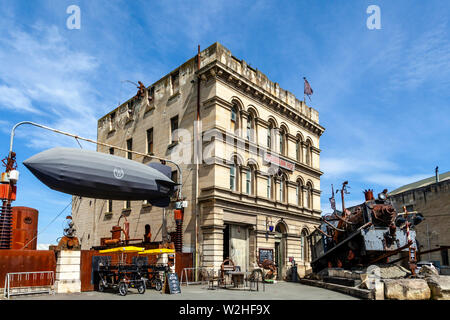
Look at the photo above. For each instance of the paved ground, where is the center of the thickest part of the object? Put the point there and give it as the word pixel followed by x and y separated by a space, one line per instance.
pixel 278 291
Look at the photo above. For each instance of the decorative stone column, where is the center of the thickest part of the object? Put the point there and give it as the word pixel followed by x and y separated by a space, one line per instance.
pixel 67 279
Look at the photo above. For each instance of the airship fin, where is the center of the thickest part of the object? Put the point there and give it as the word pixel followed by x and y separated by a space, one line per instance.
pixel 162 202
pixel 165 170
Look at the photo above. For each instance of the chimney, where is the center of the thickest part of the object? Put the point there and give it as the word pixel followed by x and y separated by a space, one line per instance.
pixel 437 174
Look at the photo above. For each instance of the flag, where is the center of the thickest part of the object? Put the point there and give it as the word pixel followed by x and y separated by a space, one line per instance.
pixel 308 90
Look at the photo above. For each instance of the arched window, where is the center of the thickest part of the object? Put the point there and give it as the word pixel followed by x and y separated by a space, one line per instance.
pixel 282 191
pixel 283 141
pixel 308 196
pixel 234 118
pixel 250 180
pixel 298 193
pixel 269 187
pixel 251 133
pixel 233 177
pixel 304 246
pixel 307 153
pixel 298 149
pixel 269 135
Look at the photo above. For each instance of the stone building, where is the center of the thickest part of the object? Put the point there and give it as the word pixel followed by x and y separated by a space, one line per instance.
pixel 430 197
pixel 251 178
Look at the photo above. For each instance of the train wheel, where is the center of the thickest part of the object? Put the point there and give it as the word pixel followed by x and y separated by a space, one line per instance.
pixel 123 288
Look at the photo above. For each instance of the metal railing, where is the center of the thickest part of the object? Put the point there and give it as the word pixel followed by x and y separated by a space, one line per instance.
pixel 19 283
pixel 205 273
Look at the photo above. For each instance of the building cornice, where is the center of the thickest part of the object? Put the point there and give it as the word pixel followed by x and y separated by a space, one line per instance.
pixel 233 79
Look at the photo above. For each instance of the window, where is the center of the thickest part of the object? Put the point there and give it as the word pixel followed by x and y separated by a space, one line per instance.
pixel 282 189
pixel 298 149
pixel 151 94
pixel 234 119
pixel 303 246
pixel 281 133
pixel 112 119
pixel 150 140
pixel 308 155
pixel 111 151
pixel 233 177
pixel 130 147
pixel 175 77
pixel 174 176
pixel 250 128
pixel 269 187
pixel 233 114
pixel 173 128
pixel 269 136
pixel 127 205
pixel 110 206
pixel 248 181
pixel 308 196
pixel 298 193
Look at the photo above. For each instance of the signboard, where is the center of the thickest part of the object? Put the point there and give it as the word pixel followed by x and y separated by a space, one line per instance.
pixel 181 204
pixel 265 254
pixel 173 283
pixel 279 162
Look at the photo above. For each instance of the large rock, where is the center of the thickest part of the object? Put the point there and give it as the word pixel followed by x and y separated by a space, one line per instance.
pixel 427 271
pixel 393 272
pixel 439 286
pixel 406 289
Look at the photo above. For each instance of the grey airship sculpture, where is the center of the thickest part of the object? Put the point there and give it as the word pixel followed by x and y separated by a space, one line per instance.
pixel 92 174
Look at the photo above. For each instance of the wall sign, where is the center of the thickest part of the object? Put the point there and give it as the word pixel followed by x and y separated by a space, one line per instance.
pixel 280 162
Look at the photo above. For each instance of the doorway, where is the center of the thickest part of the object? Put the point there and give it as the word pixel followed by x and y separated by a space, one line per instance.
pixel 236 245
pixel 280 250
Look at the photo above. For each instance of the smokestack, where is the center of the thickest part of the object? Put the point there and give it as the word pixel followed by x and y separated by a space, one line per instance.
pixel 437 174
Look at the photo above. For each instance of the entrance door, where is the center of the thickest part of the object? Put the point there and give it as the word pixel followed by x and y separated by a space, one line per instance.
pixel 239 247
pixel 280 250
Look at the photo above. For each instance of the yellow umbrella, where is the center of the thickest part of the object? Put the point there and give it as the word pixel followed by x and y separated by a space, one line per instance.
pixel 157 251
pixel 123 249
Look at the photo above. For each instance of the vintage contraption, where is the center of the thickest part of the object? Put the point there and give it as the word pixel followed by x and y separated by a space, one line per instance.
pixel 365 234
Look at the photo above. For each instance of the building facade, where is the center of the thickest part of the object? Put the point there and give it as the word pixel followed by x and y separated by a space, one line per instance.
pixel 249 157
pixel 431 198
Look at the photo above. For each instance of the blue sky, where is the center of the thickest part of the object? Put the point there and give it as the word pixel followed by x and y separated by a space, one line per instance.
pixel 383 95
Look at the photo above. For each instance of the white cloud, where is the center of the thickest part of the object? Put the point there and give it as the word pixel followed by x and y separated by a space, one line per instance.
pixel 46 77
pixel 336 167
pixel 394 180
pixel 16 100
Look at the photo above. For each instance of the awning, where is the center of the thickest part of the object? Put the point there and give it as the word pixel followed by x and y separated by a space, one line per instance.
pixel 123 249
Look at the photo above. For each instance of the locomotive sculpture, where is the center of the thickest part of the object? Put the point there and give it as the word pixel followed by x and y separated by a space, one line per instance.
pixel 365 234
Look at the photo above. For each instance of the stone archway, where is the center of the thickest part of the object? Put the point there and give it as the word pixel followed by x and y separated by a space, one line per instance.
pixel 280 249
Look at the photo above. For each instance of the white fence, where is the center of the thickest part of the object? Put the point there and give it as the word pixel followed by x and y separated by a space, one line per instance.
pixel 18 283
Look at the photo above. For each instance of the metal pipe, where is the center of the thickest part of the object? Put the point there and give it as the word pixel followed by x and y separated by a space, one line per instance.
pixel 197 164
pixel 96 142
pixel 329 224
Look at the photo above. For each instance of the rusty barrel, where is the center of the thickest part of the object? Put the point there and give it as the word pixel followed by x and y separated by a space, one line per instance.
pixel 24 228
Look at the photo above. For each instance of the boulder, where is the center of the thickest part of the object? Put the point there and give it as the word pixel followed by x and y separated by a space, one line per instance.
pixel 393 272
pixel 427 271
pixel 406 289
pixel 439 287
